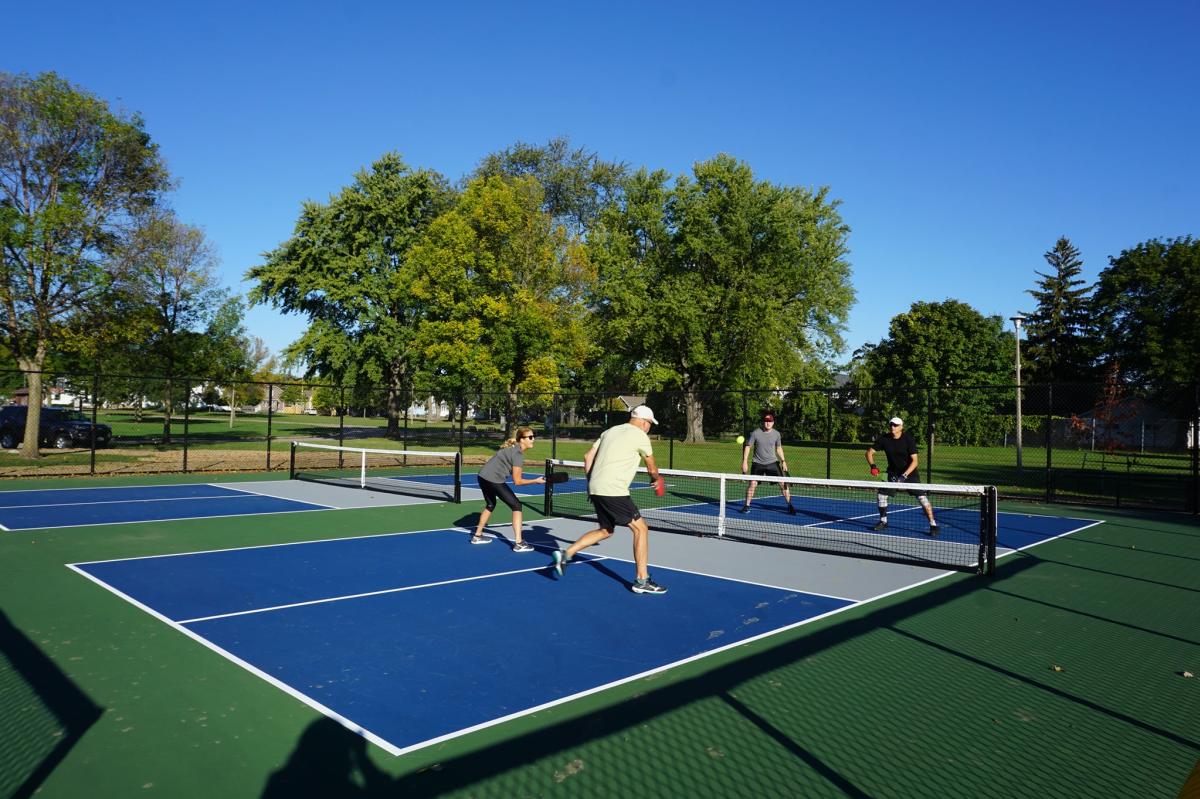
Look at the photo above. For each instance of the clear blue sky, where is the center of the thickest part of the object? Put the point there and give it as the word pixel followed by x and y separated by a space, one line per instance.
pixel 963 138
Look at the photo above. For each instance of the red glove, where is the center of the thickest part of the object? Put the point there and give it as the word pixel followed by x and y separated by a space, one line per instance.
pixel 660 486
pixel 874 471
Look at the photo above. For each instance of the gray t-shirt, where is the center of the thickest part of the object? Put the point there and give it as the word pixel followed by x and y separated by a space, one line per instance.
pixel 499 467
pixel 764 443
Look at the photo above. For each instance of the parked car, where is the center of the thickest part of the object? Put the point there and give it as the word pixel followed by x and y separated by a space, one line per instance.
pixel 59 428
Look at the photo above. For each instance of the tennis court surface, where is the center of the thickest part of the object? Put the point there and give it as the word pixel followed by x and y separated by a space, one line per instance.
pixel 197 654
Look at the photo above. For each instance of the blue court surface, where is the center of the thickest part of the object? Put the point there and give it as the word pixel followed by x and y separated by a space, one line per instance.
pixel 415 637
pixel 71 507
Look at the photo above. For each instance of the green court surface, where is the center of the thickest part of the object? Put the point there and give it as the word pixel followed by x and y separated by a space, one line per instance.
pixel 1061 676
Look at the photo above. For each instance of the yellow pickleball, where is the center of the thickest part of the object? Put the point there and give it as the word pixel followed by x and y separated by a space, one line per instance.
pixel 741 439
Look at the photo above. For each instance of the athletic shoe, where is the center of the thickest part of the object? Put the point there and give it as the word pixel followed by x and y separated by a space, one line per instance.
pixel 478 539
pixel 744 509
pixel 521 546
pixel 648 586
pixel 791 510
pixel 933 529
pixel 559 562
pixel 881 526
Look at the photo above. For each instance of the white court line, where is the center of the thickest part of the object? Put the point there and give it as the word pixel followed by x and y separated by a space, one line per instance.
pixel 239 495
pixel 1008 551
pixel 316 508
pixel 360 596
pixel 269 546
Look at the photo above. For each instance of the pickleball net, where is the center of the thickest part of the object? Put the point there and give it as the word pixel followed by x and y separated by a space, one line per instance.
pixel 418 473
pixel 832 516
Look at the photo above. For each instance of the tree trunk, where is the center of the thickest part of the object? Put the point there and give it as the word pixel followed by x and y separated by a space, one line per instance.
pixel 433 411
pixel 232 404
pixel 33 417
pixel 167 412
pixel 394 409
pixel 510 413
pixel 694 407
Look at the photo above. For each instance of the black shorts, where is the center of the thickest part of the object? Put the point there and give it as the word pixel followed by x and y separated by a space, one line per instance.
pixel 614 511
pixel 898 477
pixel 501 490
pixel 767 469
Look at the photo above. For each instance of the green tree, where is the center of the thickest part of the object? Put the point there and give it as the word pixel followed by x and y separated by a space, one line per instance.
pixel 949 346
pixel 73 177
pixel 1146 306
pixel 503 287
pixel 576 184
pixel 719 282
pixel 1060 329
pixel 344 268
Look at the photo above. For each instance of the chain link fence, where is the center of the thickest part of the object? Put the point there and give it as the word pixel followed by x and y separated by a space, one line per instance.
pixel 1109 443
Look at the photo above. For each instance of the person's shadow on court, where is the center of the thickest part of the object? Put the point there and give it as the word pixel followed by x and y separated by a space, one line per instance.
pixel 329 761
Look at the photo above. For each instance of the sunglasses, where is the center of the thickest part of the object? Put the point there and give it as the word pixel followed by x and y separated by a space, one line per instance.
pixel 892 424
pixel 528 436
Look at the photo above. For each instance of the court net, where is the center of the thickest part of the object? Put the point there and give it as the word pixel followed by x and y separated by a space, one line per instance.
pixel 834 516
pixel 433 475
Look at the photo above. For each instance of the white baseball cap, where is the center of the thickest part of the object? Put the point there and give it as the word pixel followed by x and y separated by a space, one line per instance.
pixel 896 420
pixel 643 412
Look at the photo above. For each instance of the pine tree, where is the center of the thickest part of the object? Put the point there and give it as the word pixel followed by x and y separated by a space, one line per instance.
pixel 1060 330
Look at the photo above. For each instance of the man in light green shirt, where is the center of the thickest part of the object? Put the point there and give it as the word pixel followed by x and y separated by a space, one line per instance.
pixel 611 465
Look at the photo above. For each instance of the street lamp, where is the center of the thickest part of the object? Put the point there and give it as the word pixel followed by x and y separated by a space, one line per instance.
pixel 1017 321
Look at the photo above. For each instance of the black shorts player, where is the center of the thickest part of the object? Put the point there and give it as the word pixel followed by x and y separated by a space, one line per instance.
pixel 901 452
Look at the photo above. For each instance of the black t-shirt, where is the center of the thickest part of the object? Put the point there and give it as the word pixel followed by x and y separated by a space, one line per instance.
pixel 899 453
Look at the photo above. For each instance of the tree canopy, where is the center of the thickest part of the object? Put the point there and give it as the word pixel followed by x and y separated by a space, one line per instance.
pixel 1146 306
pixel 719 281
pixel 344 268
pixel 74 176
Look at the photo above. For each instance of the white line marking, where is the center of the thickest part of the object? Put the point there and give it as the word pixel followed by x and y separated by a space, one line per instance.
pixel 315 508
pixel 362 595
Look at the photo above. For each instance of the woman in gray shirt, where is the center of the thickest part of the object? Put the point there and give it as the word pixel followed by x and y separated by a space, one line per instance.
pixel 492 480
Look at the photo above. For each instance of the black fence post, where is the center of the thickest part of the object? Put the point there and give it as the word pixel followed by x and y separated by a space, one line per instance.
pixel 187 401
pixel 1049 442
pixel 1196 449
pixel 95 403
pixel 270 409
pixel 929 438
pixel 554 430
pixel 341 423
pixel 828 433
pixel 462 406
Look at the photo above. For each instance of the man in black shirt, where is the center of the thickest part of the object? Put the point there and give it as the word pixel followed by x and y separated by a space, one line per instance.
pixel 901 453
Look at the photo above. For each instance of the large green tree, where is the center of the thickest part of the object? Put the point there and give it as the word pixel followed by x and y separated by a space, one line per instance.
pixel 948 346
pixel 718 281
pixel 74 176
pixel 502 285
pixel 344 268
pixel 1147 309
pixel 1060 330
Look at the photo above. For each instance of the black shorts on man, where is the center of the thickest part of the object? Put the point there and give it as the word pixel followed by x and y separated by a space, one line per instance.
pixel 613 512
pixel 772 469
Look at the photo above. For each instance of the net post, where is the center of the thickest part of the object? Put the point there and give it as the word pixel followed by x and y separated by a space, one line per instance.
pixel 991 514
pixel 362 469
pixel 458 457
pixel 721 510
pixel 548 493
pixel 292 463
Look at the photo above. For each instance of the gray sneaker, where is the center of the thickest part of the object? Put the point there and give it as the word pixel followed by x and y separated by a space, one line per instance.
pixel 521 546
pixel 648 586
pixel 559 563
pixel 881 526
pixel 478 539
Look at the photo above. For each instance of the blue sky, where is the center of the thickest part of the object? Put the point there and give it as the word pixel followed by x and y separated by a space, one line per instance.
pixel 962 138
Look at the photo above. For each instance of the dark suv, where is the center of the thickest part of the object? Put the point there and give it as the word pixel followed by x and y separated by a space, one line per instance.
pixel 60 428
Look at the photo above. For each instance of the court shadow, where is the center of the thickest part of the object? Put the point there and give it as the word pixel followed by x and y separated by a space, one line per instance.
pixel 329 760
pixel 38 734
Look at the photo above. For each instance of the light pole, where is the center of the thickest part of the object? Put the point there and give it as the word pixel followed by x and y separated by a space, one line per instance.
pixel 1017 321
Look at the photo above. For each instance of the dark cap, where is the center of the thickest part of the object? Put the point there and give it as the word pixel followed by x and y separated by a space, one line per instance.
pixel 768 417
